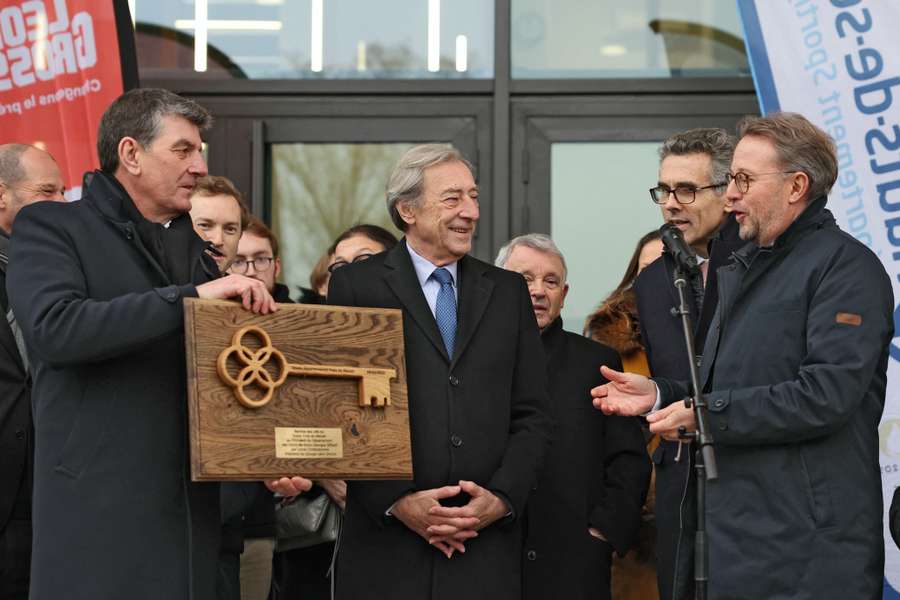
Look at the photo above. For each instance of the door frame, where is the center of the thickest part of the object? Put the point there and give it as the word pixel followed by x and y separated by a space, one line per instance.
pixel 245 129
pixel 538 123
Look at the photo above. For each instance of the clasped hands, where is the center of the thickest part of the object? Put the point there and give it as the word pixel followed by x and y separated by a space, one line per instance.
pixel 447 528
pixel 630 395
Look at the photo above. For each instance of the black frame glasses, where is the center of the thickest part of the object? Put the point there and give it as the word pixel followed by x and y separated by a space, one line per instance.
pixel 343 263
pixel 742 180
pixel 261 264
pixel 683 194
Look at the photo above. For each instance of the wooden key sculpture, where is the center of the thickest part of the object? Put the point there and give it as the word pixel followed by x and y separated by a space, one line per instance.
pixel 374 384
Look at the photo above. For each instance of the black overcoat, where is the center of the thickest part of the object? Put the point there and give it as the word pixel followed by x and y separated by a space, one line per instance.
pixel 479 416
pixel 596 475
pixel 115 512
pixel 662 336
pixel 16 432
pixel 795 371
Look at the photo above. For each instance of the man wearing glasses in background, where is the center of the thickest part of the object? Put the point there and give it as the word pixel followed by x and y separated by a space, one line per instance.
pixel 257 257
pixel 691 193
pixel 794 373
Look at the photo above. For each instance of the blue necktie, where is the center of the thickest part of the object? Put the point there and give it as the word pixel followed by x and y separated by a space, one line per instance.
pixel 445 308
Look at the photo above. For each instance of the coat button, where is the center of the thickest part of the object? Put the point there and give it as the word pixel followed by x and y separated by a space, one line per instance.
pixel 20 434
pixel 719 403
pixel 454 380
pixel 723 426
pixel 456 441
pixel 531 555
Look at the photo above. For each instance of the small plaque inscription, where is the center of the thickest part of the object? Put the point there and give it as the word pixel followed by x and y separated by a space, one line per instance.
pixel 308 442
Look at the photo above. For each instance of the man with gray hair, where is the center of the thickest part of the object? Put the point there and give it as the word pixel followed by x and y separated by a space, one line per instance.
pixel 97 287
pixel 690 190
pixel 27 175
pixel 477 401
pixel 588 499
pixel 794 372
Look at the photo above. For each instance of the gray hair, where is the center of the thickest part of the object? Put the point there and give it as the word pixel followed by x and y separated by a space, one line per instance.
pixel 138 114
pixel 11 169
pixel 405 182
pixel 535 241
pixel 800 145
pixel 714 142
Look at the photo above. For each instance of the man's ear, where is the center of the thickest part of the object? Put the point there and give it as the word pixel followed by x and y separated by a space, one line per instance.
pixel 404 209
pixel 565 292
pixel 4 196
pixel 129 155
pixel 799 187
pixel 277 268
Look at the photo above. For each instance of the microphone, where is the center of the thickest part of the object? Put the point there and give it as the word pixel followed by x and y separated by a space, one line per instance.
pixel 678 248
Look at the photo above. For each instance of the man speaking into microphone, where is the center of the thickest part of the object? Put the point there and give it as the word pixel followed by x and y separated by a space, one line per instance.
pixel 690 191
pixel 794 373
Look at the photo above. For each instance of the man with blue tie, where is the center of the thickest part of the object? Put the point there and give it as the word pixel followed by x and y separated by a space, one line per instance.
pixel 476 377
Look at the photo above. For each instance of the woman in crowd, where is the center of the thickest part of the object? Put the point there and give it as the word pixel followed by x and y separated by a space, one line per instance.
pixel 360 242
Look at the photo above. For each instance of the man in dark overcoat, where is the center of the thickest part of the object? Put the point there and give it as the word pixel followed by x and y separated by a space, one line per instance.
pixel 690 191
pixel 97 288
pixel 794 371
pixel 588 499
pixel 477 401
pixel 27 175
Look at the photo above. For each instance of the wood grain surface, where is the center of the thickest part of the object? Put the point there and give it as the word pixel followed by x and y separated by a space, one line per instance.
pixel 233 442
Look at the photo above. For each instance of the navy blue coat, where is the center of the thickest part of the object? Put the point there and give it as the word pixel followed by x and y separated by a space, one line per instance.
pixel 115 512
pixel 795 371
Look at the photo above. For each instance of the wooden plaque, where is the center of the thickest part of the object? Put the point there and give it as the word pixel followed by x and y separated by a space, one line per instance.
pixel 311 390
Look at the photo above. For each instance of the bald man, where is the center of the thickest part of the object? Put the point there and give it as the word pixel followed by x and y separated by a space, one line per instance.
pixel 27 175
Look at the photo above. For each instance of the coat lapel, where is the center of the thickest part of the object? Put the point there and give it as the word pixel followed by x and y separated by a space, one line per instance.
pixel 8 342
pixel 401 279
pixel 474 294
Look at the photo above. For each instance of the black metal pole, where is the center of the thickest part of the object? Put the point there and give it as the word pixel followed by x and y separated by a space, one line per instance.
pixel 705 463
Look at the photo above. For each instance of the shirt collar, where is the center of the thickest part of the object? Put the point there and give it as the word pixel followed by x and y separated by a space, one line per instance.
pixel 424 268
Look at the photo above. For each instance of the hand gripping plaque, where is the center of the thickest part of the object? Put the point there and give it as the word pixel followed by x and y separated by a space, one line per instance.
pixel 374 384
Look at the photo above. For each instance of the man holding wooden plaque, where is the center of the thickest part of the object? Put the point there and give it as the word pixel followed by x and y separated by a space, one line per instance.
pixel 97 287
pixel 476 378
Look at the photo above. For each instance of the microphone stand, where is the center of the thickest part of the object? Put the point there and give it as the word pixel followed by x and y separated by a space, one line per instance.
pixel 704 457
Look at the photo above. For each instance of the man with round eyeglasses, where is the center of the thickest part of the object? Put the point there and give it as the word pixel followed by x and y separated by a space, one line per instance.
pixel 794 372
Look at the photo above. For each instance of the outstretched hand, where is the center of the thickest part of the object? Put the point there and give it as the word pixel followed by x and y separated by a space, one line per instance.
pixel 626 394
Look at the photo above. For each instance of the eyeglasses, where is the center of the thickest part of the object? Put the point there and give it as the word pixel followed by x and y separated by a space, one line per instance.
pixel 343 263
pixel 260 263
pixel 683 194
pixel 742 181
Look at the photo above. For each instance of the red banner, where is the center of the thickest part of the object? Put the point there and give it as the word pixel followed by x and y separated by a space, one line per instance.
pixel 60 68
